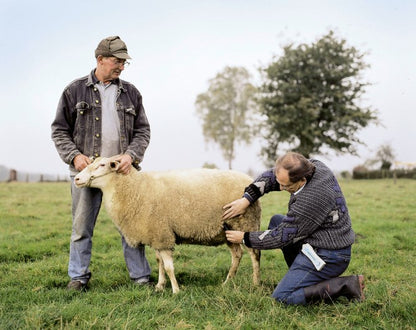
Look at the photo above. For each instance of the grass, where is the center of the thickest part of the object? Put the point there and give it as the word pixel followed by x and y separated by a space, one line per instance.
pixel 34 241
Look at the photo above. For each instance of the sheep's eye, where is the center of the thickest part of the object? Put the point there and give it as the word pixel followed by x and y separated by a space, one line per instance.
pixel 112 165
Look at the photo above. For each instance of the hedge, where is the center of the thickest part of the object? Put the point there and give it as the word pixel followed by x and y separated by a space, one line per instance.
pixel 361 173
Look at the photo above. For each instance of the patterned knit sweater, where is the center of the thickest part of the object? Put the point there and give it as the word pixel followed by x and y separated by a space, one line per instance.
pixel 317 215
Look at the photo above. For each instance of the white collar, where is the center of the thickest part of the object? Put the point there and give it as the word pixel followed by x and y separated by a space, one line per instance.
pixel 299 190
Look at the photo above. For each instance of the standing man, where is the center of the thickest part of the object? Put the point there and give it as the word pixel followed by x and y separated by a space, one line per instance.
pixel 100 115
pixel 315 235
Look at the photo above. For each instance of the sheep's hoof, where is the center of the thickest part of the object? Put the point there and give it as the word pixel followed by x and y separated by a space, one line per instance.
pixel 175 290
pixel 226 280
pixel 159 287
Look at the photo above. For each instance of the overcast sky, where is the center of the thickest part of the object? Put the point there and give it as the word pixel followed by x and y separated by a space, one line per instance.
pixel 177 46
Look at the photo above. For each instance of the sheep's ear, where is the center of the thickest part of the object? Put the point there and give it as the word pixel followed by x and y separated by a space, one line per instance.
pixel 114 165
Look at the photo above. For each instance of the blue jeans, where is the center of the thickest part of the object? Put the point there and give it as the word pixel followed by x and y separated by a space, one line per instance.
pixel 86 203
pixel 302 272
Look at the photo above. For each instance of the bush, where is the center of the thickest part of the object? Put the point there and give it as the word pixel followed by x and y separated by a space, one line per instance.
pixel 361 172
pixel 406 174
pixel 345 175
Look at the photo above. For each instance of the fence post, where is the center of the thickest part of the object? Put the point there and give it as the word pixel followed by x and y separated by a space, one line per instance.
pixel 13 175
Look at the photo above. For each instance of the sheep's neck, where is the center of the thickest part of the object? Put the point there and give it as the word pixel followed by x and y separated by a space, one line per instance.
pixel 111 195
pixel 108 194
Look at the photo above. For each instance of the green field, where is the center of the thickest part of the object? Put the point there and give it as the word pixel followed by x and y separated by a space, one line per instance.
pixel 34 243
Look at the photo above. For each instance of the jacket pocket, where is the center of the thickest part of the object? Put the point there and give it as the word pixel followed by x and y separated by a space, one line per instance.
pixel 129 114
pixel 82 120
pixel 131 111
pixel 83 110
pixel 82 106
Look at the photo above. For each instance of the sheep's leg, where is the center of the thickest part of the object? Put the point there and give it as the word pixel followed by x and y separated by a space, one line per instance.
pixel 167 261
pixel 160 286
pixel 255 261
pixel 236 254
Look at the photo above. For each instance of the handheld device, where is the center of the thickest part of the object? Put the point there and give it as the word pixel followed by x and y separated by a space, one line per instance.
pixel 308 251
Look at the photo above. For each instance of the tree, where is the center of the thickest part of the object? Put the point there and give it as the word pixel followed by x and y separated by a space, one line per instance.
pixel 383 158
pixel 385 155
pixel 227 110
pixel 310 98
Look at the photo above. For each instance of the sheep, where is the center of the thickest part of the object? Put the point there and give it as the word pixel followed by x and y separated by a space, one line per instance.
pixel 161 209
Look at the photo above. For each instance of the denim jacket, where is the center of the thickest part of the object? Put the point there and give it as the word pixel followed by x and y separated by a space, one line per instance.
pixel 77 125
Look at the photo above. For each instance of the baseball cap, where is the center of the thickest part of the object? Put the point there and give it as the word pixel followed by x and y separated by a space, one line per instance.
pixel 112 46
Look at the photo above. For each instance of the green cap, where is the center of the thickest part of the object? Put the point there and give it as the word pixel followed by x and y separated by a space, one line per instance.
pixel 112 46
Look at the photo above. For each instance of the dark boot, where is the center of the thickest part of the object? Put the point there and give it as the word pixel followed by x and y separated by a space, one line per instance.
pixel 348 286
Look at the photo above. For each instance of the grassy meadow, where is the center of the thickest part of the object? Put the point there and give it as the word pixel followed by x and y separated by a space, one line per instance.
pixel 35 230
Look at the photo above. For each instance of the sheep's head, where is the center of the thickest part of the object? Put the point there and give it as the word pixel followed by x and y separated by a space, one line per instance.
pixel 94 175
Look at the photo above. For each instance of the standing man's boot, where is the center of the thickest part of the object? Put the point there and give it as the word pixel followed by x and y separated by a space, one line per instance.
pixel 348 286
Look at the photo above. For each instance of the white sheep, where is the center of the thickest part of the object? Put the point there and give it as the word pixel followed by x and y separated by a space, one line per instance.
pixel 160 209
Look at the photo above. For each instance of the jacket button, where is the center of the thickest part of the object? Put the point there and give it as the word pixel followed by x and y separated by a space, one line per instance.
pixel 97 135
pixel 96 101
pixel 96 154
pixel 97 118
pixel 81 112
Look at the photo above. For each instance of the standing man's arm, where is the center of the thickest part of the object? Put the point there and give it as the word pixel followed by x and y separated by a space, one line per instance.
pixel 141 133
pixel 62 131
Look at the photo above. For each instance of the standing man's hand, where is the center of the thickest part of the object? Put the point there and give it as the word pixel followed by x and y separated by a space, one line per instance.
pixel 125 164
pixel 81 161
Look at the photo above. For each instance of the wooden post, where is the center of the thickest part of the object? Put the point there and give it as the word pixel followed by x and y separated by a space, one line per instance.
pixel 13 175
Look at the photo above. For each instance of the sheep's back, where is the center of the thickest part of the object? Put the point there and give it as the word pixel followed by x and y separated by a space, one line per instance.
pixel 189 203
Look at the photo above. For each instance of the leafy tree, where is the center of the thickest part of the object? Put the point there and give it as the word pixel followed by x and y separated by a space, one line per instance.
pixel 310 97
pixel 385 155
pixel 384 158
pixel 227 110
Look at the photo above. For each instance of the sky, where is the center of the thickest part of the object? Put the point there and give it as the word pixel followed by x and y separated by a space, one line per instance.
pixel 177 46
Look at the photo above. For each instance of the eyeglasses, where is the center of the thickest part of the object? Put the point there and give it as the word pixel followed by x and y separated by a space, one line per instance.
pixel 287 186
pixel 119 62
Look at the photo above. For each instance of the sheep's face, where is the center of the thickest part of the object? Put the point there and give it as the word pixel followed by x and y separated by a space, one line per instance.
pixel 94 175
